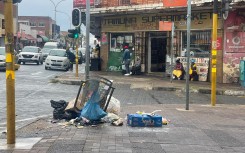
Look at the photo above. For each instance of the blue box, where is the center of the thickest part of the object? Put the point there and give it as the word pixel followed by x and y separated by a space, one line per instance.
pixel 143 120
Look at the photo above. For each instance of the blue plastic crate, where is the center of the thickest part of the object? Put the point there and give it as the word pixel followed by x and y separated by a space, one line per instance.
pixel 138 120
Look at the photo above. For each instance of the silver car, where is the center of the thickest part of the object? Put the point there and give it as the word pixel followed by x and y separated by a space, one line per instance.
pixel 2 58
pixel 31 54
pixel 57 59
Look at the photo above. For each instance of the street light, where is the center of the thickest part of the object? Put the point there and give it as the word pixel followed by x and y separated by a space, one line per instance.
pixel 69 18
pixel 55 6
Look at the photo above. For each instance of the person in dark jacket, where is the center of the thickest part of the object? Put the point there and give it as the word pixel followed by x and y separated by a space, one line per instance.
pixel 71 57
pixel 126 60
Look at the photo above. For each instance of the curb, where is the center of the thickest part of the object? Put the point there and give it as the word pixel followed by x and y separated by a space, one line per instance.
pixel 181 89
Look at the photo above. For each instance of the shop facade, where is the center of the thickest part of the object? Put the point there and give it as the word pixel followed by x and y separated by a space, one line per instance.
pixel 141 33
pixel 234 45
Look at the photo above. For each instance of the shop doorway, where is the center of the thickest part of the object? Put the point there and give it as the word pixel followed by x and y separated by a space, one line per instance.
pixel 158 54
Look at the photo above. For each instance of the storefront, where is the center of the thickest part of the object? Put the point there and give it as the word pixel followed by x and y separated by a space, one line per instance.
pixel 234 45
pixel 142 34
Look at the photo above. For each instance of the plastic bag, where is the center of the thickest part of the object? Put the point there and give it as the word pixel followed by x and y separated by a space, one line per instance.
pixel 114 106
pixel 92 110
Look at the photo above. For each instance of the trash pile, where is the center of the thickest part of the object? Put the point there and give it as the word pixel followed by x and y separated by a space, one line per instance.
pixel 93 105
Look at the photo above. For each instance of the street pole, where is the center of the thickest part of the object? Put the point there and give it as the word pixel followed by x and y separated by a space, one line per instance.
pixel 214 52
pixel 69 18
pixel 188 52
pixel 10 73
pixel 55 6
pixel 77 57
pixel 172 52
pixel 87 39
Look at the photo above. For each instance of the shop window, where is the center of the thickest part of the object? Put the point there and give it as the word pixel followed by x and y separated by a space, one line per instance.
pixel 118 41
pixel 200 43
pixel 41 24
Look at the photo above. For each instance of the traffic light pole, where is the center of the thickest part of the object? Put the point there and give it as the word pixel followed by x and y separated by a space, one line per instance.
pixel 76 57
pixel 10 73
pixel 214 53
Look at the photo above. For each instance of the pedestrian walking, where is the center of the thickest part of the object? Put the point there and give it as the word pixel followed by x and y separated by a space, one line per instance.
pixel 71 57
pixel 126 60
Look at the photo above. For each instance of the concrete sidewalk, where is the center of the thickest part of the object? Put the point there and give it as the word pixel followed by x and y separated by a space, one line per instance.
pixel 150 82
pixel 203 128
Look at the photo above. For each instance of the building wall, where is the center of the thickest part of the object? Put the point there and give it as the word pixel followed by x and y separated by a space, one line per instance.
pixel 150 22
pixel 40 19
pixel 234 45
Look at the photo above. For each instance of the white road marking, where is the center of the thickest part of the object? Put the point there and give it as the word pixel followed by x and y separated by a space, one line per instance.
pixel 27 119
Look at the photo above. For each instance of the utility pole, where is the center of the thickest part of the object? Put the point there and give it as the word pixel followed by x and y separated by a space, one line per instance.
pixel 214 53
pixel 10 73
pixel 188 53
pixel 55 7
pixel 172 52
pixel 87 39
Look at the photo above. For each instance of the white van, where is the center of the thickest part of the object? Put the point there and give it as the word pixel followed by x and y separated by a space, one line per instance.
pixel 51 45
pixel 47 47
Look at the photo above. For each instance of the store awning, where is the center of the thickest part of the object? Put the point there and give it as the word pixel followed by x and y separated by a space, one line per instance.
pixel 30 37
pixel 44 38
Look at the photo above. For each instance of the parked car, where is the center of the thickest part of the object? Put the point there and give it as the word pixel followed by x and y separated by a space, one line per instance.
pixel 31 54
pixel 3 59
pixel 197 52
pixel 80 56
pixel 57 59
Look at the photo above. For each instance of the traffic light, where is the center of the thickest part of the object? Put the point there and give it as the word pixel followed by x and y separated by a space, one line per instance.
pixel 73 33
pixel 226 8
pixel 16 1
pixel 76 17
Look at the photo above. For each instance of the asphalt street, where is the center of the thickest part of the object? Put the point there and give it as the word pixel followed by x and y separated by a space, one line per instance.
pixel 33 93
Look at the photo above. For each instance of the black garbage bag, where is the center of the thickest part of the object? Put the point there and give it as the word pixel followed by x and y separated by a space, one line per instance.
pixel 58 113
pixel 59 108
pixel 70 114
pixel 58 104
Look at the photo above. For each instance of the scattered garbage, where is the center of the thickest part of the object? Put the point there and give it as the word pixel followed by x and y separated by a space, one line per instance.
pixel 114 106
pixel 93 105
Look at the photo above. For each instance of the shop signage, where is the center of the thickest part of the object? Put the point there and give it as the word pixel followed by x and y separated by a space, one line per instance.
pixel 174 3
pixel 165 26
pixel 235 42
pixel 81 3
pixel 202 66
pixel 200 20
pixel 104 38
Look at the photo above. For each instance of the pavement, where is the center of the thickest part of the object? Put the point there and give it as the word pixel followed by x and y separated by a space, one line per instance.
pixel 203 128
pixel 155 82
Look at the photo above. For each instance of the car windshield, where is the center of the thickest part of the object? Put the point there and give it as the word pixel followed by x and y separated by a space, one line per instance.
pixel 46 50
pixel 2 51
pixel 50 46
pixel 60 53
pixel 30 49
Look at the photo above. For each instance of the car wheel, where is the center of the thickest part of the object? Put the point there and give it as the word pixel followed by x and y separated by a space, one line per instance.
pixel 19 62
pixel 38 62
pixel 41 62
pixel 46 68
pixel 23 63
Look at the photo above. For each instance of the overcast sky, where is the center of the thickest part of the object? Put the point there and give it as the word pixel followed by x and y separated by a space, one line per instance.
pixel 46 8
